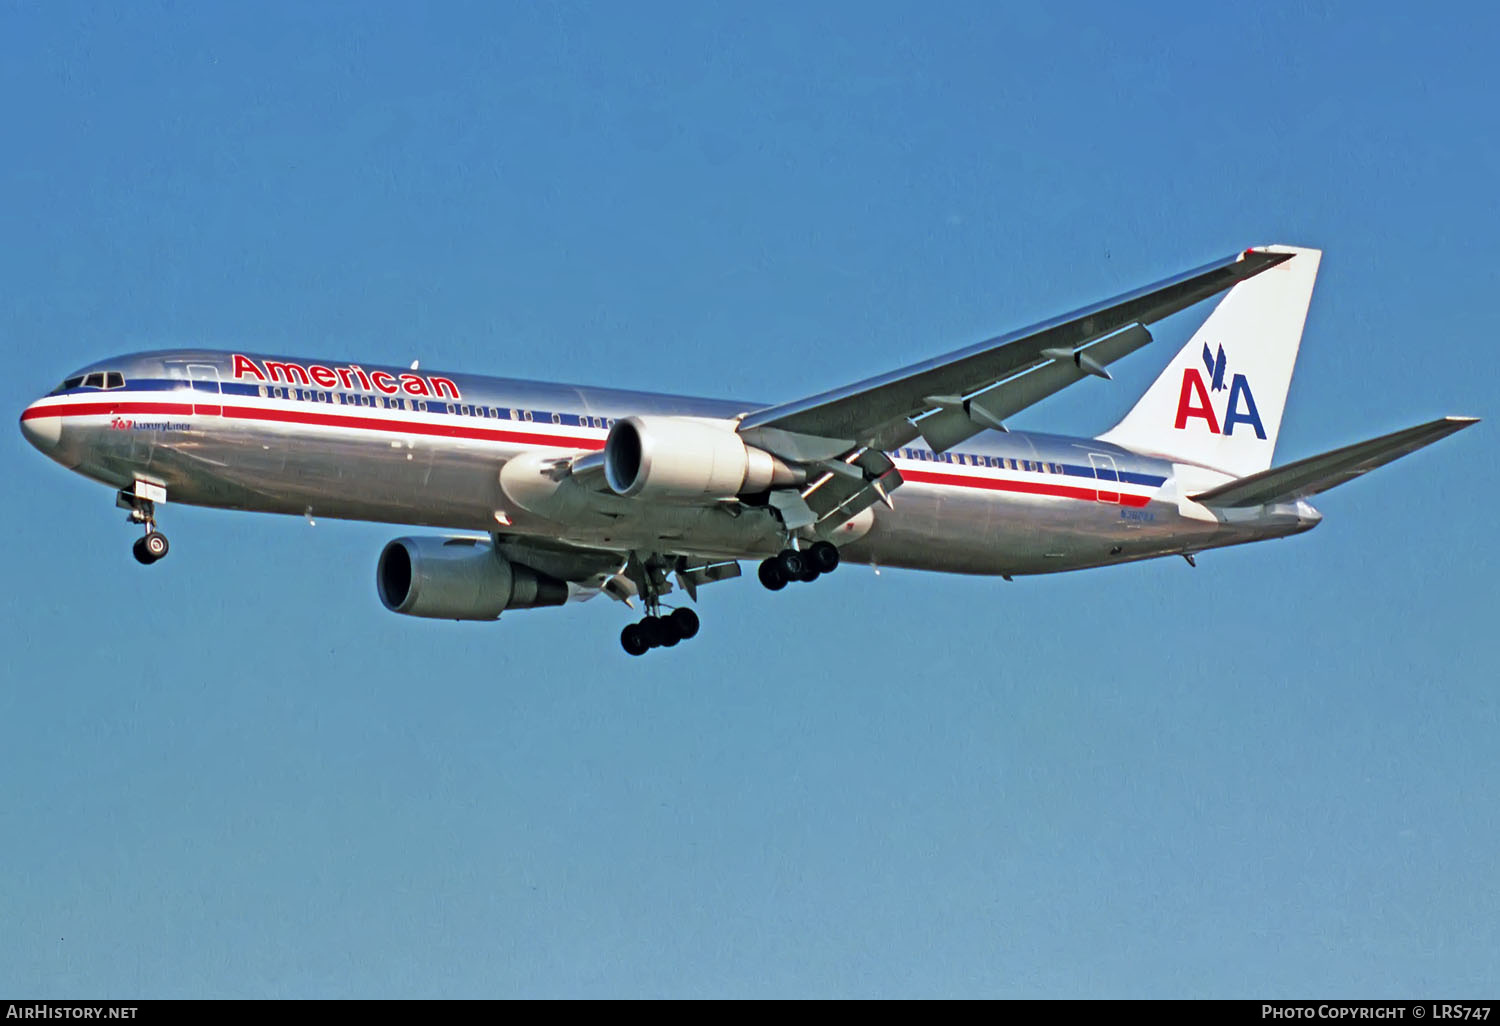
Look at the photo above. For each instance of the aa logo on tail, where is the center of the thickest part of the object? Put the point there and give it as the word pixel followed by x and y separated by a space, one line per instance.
pixel 1193 402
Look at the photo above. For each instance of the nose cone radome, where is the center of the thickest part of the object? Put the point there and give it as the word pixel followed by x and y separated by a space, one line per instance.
pixel 40 430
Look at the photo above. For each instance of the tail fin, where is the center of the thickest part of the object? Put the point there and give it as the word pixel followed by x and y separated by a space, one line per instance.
pixel 1219 402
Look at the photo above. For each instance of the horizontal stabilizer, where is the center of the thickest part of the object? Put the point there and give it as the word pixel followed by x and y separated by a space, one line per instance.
pixel 1320 473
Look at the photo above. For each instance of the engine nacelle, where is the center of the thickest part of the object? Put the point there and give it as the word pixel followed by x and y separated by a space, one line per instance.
pixel 685 459
pixel 459 579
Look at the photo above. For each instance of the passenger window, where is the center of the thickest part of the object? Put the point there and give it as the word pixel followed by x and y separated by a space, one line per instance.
pixel 556 419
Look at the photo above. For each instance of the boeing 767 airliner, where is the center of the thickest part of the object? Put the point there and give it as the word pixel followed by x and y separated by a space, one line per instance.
pixel 563 492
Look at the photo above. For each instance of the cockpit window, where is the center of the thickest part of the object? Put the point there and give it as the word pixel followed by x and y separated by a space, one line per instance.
pixel 99 379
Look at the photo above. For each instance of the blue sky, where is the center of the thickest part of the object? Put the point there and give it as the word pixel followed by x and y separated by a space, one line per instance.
pixel 235 774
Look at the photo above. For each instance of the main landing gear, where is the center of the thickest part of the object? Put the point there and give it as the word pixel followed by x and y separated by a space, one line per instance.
pixel 154 545
pixel 659 631
pixel 791 565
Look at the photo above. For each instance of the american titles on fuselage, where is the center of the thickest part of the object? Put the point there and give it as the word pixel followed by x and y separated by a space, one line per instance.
pixel 350 377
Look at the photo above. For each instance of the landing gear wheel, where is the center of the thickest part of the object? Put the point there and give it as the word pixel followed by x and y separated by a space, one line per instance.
pixel 154 545
pixel 633 641
pixel 771 574
pixel 824 556
pixel 658 632
pixel 141 555
pixel 686 622
pixel 792 563
pixel 809 573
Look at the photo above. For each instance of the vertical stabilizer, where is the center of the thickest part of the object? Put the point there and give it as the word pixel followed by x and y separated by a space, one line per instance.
pixel 1219 402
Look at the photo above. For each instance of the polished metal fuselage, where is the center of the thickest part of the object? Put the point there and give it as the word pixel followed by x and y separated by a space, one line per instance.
pixel 210 432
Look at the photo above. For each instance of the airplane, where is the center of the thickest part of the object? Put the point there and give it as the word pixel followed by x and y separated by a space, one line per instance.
pixel 551 493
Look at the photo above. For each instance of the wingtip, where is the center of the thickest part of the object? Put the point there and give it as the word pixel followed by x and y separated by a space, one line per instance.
pixel 1266 257
pixel 1281 251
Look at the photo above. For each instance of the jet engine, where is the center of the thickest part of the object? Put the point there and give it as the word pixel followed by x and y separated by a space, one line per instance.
pixel 459 579
pixel 687 460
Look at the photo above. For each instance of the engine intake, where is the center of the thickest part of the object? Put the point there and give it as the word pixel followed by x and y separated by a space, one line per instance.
pixel 459 579
pixel 681 458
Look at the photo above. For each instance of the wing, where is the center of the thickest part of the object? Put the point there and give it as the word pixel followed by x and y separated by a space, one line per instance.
pixel 617 574
pixel 950 398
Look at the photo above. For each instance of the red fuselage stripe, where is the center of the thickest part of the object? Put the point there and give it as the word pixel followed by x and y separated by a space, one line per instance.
pixel 1026 487
pixel 417 427
pixel 339 420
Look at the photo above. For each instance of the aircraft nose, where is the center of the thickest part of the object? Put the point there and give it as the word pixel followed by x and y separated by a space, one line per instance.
pixel 40 430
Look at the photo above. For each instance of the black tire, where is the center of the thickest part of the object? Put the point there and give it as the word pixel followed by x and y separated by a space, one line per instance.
pixel 771 574
pixel 653 632
pixel 809 572
pixel 633 641
pixel 155 545
pixel 686 622
pixel 825 556
pixel 666 632
pixel 792 564
pixel 141 555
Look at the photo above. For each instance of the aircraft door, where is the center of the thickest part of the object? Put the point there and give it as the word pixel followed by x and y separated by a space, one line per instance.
pixel 207 397
pixel 1106 477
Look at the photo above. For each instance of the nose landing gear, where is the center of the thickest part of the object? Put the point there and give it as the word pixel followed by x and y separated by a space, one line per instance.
pixel 149 549
pixel 142 509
